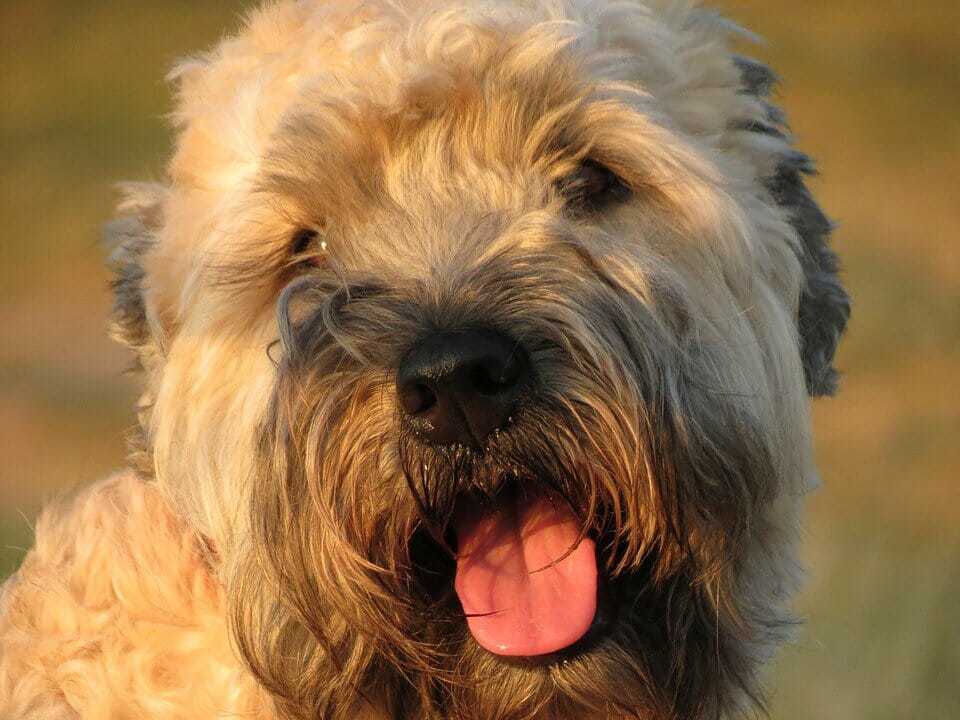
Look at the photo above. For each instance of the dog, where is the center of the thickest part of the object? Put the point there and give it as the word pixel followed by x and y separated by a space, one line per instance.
pixel 477 342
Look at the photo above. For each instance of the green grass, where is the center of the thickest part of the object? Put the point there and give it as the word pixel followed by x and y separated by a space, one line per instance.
pixel 872 91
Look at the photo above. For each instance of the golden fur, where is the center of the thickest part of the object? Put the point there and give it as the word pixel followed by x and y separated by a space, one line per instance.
pixel 116 614
pixel 264 560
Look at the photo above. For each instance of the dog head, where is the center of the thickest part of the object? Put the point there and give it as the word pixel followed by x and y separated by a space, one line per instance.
pixel 478 343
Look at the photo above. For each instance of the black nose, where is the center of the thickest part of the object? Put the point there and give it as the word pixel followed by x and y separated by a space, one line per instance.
pixel 458 387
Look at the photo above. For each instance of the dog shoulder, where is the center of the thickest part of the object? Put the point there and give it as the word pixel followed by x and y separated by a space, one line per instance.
pixel 115 613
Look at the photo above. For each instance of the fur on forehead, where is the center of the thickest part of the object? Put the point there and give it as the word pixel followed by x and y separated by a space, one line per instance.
pixel 232 99
pixel 409 59
pixel 403 87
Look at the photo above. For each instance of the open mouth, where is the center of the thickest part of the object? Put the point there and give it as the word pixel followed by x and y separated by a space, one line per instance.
pixel 526 575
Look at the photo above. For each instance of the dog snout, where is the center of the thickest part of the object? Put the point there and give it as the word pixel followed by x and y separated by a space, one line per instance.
pixel 459 387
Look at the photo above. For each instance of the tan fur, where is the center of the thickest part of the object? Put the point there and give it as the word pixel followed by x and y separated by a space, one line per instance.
pixel 115 614
pixel 270 546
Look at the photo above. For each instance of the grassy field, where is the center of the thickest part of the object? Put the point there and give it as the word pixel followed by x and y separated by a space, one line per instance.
pixel 873 91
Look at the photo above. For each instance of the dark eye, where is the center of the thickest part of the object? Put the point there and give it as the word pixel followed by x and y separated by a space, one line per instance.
pixel 592 188
pixel 302 241
pixel 307 249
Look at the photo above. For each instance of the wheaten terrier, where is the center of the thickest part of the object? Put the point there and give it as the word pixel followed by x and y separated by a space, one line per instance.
pixel 477 341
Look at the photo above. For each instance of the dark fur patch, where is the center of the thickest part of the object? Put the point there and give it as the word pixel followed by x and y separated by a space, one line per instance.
pixel 824 304
pixel 763 128
pixel 758 79
pixel 130 237
pixel 129 317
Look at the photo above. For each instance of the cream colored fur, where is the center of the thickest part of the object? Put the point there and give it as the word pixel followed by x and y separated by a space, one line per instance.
pixel 120 611
pixel 116 615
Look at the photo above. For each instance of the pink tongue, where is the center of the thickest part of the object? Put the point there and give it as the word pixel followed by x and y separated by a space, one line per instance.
pixel 523 589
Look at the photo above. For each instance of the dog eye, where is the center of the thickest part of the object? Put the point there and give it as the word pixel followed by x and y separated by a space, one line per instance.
pixel 302 240
pixel 306 247
pixel 592 188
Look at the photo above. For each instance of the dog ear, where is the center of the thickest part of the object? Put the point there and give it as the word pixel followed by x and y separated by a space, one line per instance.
pixel 824 303
pixel 131 235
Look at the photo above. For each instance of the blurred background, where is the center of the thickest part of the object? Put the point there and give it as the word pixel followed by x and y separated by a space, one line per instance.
pixel 872 89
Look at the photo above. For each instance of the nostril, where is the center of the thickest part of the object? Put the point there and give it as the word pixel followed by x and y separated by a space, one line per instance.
pixel 458 387
pixel 482 380
pixel 492 376
pixel 417 398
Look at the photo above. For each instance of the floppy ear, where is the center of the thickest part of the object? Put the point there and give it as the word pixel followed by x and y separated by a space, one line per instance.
pixel 824 303
pixel 131 236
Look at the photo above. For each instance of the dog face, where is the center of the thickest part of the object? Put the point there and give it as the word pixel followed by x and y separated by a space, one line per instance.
pixel 478 345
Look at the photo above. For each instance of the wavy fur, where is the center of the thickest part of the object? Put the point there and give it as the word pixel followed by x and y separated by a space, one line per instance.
pixel 278 552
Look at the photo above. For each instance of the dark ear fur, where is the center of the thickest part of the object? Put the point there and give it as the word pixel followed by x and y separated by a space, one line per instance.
pixel 824 304
pixel 130 236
